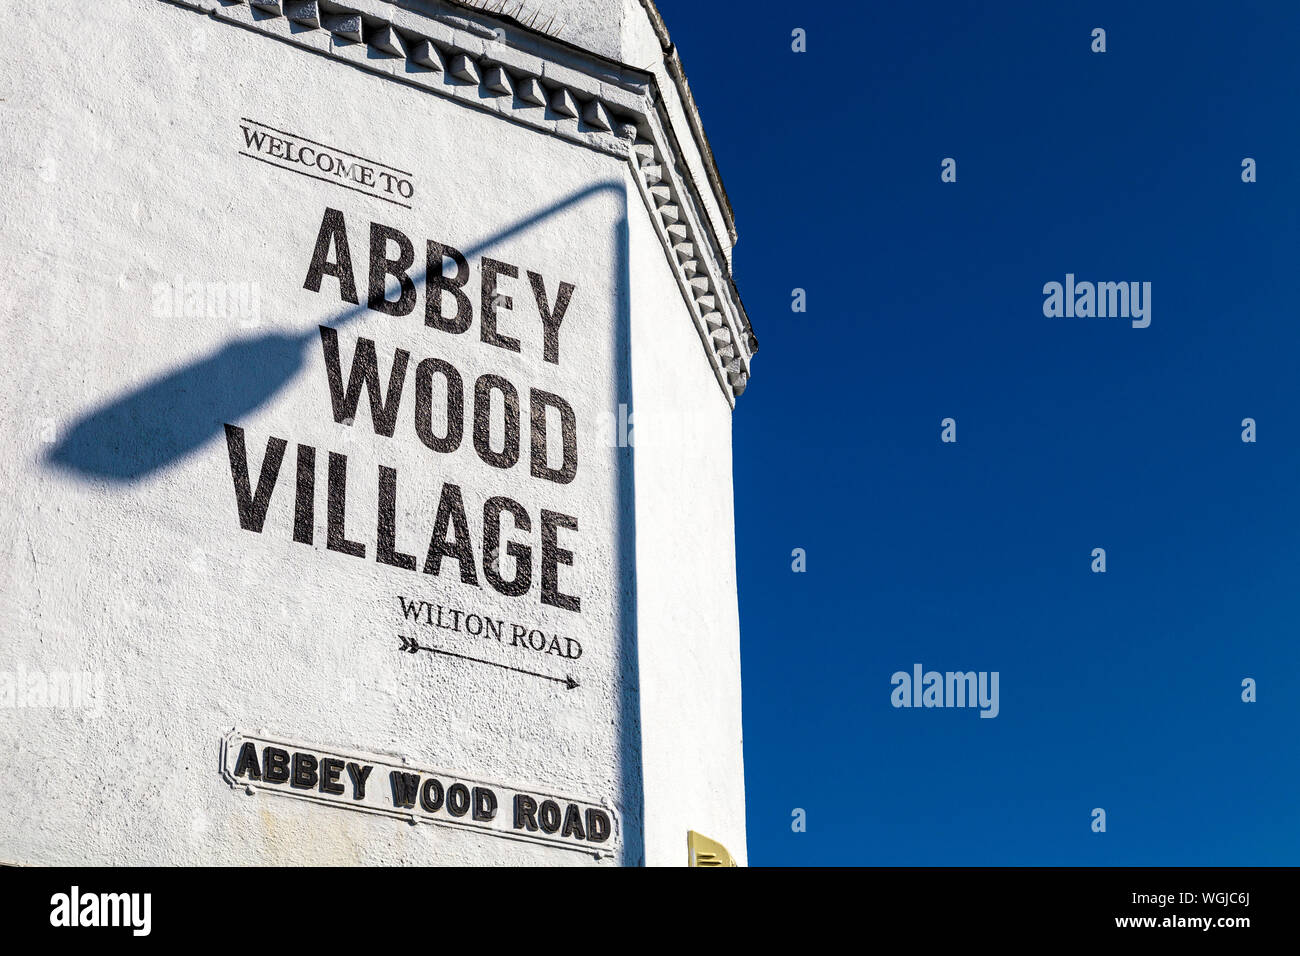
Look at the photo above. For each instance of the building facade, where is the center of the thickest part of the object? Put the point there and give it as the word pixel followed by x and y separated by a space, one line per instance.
pixel 368 438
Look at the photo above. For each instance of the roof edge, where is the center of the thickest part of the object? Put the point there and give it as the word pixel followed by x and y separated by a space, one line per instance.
pixel 678 74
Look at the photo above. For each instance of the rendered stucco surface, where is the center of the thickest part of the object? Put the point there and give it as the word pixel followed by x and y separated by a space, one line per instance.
pixel 688 629
pixel 122 553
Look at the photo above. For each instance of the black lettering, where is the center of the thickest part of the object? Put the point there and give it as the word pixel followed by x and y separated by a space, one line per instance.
pixel 522 554
pixel 364 373
pixel 458 799
pixel 275 765
pixel 359 773
pixel 431 795
pixel 381 267
pixel 485 804
pixel 525 812
pixel 483 389
pixel 247 762
pixel 548 816
pixel 253 138
pixel 598 826
pixel 336 534
pixel 436 284
pixel 573 823
pixel 386 538
pixel 332 232
pixel 330 770
pixel 491 300
pixel 405 788
pixel 411 611
pixel 538 402
pixel 451 512
pixel 304 771
pixel 304 501
pixel 252 507
pixel 551 319
pixel 424 373
pixel 553 555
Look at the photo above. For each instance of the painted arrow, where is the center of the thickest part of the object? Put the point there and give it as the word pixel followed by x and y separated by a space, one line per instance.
pixel 412 646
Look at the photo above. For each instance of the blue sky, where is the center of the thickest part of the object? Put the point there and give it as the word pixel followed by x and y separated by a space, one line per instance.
pixel 1119 690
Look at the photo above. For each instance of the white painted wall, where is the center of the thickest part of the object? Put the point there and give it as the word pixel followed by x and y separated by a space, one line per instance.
pixel 688 625
pixel 123 119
